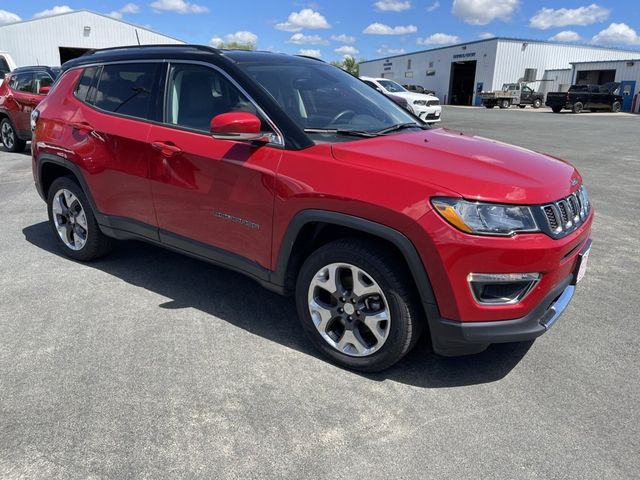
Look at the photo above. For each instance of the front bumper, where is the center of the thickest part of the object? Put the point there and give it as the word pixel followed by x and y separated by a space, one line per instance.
pixel 453 338
pixel 428 114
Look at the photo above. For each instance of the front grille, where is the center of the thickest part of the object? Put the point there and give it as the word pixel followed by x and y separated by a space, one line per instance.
pixel 433 103
pixel 565 215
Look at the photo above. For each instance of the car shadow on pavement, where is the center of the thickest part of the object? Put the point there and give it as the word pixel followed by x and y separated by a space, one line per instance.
pixel 236 299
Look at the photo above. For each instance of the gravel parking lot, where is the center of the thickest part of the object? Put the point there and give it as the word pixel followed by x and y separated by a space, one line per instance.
pixel 148 364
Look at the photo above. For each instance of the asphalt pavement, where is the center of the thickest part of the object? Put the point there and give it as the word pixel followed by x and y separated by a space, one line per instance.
pixel 148 364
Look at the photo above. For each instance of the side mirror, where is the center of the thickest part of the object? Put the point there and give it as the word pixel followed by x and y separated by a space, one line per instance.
pixel 45 90
pixel 238 126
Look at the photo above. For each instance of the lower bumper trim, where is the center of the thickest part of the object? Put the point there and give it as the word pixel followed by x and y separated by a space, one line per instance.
pixel 453 338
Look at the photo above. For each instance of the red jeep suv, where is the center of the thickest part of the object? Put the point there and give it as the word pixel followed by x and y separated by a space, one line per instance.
pixel 20 93
pixel 307 180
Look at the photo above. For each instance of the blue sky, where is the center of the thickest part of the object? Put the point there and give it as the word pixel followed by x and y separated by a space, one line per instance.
pixel 363 28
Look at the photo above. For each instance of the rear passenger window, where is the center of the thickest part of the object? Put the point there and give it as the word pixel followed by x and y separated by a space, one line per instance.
pixel 196 94
pixel 87 81
pixel 127 89
pixel 23 82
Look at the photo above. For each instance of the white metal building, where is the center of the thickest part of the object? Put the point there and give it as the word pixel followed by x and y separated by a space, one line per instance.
pixel 625 72
pixel 55 39
pixel 456 73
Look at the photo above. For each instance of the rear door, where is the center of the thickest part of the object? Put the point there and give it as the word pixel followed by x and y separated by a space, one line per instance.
pixel 209 192
pixel 111 128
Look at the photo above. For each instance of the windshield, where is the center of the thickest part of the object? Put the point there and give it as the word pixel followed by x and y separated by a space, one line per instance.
pixel 318 96
pixel 392 87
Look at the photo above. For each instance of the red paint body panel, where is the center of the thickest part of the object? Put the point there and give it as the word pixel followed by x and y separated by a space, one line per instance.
pixel 196 191
pixel 18 105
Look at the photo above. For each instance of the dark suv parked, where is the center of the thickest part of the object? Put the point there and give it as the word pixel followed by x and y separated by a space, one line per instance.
pixel 305 179
pixel 20 93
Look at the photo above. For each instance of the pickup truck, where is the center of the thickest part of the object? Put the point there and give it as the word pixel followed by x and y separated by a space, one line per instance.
pixel 586 97
pixel 512 94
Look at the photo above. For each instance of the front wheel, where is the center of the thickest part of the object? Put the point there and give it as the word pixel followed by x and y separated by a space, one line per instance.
pixel 537 103
pixel 10 138
pixel 357 305
pixel 73 223
pixel 616 107
pixel 577 107
pixel 505 104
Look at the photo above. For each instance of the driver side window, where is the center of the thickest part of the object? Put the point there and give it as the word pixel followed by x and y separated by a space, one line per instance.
pixel 196 94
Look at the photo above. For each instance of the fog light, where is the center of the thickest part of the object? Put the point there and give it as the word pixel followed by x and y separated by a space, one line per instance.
pixel 501 288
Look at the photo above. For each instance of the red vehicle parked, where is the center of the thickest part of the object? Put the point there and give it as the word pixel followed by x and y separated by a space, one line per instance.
pixel 20 93
pixel 305 179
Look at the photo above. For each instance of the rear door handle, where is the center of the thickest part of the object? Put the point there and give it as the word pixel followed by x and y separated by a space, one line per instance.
pixel 82 127
pixel 166 149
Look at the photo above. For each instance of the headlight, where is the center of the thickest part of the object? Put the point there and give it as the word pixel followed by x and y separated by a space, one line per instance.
pixel 485 218
pixel 420 102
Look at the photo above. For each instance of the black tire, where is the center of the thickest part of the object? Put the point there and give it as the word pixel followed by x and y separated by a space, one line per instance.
pixel 406 317
pixel 505 104
pixel 577 107
pixel 556 109
pixel 537 103
pixel 97 244
pixel 616 107
pixel 10 138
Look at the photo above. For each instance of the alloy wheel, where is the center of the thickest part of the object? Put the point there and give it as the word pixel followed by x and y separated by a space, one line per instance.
pixel 70 219
pixel 8 135
pixel 349 309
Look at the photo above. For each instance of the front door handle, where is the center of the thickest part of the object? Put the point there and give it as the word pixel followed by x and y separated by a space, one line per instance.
pixel 166 149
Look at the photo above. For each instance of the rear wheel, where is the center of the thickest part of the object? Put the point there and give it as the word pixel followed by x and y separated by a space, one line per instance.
pixel 537 103
pixel 577 107
pixel 356 305
pixel 616 107
pixel 73 222
pixel 505 104
pixel 10 138
pixel 556 109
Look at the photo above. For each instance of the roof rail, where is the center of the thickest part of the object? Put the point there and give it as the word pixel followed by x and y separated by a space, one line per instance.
pixel 204 48
pixel 310 58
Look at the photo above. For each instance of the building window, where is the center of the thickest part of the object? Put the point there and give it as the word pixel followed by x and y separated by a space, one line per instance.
pixel 430 64
pixel 409 64
pixel 431 73
pixel 408 74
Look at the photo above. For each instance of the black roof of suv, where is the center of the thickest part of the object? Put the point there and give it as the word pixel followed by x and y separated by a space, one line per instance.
pixel 52 71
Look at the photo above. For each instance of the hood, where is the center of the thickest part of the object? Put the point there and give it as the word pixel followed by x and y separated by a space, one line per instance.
pixel 473 167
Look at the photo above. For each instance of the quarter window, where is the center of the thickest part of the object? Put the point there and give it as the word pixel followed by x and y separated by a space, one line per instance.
pixel 127 89
pixel 196 94
pixel 87 82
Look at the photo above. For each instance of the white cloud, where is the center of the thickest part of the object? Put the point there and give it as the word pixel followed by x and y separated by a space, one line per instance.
pixel 347 50
pixel 566 36
pixel 343 38
pixel 310 52
pixel 178 6
pixel 438 39
pixel 617 34
pixel 433 7
pixel 382 29
pixel 58 9
pixel 548 17
pixel 243 37
pixel 392 5
pixel 8 17
pixel 386 50
pixel 130 8
pixel 486 35
pixel 481 12
pixel 301 39
pixel 305 18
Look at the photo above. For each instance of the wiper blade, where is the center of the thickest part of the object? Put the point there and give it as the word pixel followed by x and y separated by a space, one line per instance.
pixel 400 126
pixel 340 131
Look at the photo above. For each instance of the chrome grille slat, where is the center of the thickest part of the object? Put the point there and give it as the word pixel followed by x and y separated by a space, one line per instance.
pixel 566 214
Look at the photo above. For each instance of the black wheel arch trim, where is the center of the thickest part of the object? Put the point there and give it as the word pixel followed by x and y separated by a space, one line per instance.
pixel 46 158
pixel 404 245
